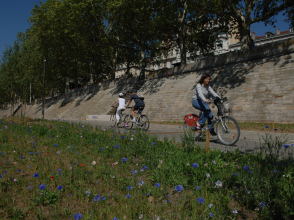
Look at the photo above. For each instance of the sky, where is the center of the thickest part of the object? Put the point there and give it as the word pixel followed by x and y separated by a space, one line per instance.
pixel 14 16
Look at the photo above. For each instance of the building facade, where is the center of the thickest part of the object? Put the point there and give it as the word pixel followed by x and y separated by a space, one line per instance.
pixel 224 44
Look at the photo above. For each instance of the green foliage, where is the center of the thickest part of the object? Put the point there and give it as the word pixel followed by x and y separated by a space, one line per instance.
pixel 248 180
pixel 47 198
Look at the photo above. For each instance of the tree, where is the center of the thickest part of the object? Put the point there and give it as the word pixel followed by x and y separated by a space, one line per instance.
pixel 290 16
pixel 185 24
pixel 244 13
pixel 132 24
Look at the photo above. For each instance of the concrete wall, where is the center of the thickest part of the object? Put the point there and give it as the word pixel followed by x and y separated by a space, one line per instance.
pixel 259 85
pixel 93 100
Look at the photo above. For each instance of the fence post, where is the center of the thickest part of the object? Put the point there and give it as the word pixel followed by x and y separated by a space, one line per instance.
pixel 207 139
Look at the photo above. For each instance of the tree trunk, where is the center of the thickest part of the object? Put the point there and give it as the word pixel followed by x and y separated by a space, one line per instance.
pixel 11 101
pixel 183 33
pixel 183 50
pixel 245 37
pixel 142 64
pixel 128 68
pixel 244 24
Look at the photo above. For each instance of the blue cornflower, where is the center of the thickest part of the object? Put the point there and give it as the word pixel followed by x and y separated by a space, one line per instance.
pixel 145 167
pixel 262 204
pixel 276 129
pixel 168 200
pixel 179 188
pixel 210 215
pixel 77 216
pixel 245 168
pixel 116 146
pixel 197 187
pixel 1 176
pixel 101 148
pixel 21 157
pixel 59 173
pixel 36 175
pixel 195 165
pixel 147 194
pixel 250 171
pixel 88 192
pixel 266 126
pixel 129 187
pixel 157 185
pixel 275 171
pixel 153 143
pixel 5 171
pixel 141 183
pixel 103 198
pixel 97 198
pixel 42 186
pixel 134 172
pixel 59 187
pixel 200 200
pixel 29 187
pixel 286 146
pixel 128 196
pixel 55 145
pixel 69 194
pixel 210 206
pixel 59 170
pixel 166 196
pixel 75 163
pixel 19 170
pixel 115 218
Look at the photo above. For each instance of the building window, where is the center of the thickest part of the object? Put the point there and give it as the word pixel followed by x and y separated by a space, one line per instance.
pixel 291 29
pixel 171 52
pixel 219 44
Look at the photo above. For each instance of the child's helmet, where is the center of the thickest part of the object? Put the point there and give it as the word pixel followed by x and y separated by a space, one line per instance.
pixel 121 94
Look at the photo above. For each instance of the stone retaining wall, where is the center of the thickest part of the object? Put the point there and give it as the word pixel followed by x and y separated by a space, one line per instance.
pixel 259 86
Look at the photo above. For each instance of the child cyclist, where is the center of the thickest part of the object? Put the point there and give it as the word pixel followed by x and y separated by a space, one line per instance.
pixel 121 106
pixel 138 103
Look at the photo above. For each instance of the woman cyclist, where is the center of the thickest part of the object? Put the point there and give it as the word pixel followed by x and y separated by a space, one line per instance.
pixel 200 101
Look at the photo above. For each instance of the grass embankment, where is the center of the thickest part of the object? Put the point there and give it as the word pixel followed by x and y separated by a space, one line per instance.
pixel 286 128
pixel 55 170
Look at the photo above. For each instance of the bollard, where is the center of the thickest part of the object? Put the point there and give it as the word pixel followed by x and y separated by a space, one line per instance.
pixel 207 139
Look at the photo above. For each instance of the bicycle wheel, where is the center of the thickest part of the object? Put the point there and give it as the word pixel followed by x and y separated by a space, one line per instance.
pixel 190 130
pixel 128 124
pixel 228 132
pixel 112 120
pixel 144 122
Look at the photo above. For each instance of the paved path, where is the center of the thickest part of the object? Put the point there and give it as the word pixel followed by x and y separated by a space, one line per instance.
pixel 249 140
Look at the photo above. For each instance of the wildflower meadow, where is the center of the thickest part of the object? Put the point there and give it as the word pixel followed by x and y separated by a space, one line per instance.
pixel 54 169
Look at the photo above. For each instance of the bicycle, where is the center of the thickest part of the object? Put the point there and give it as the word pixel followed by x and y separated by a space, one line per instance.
pixel 142 121
pixel 113 121
pixel 227 128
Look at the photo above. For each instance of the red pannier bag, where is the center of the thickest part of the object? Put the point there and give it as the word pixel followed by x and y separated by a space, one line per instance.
pixel 191 119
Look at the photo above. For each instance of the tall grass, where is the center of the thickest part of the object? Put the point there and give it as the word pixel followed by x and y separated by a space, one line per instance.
pixel 106 174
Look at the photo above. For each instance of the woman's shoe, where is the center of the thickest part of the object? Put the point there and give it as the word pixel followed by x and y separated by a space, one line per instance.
pixel 197 128
pixel 213 133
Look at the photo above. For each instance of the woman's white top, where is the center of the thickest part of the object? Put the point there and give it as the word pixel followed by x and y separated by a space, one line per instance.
pixel 203 93
pixel 121 102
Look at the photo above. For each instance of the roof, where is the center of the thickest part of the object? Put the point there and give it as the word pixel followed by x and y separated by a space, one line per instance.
pixel 282 32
